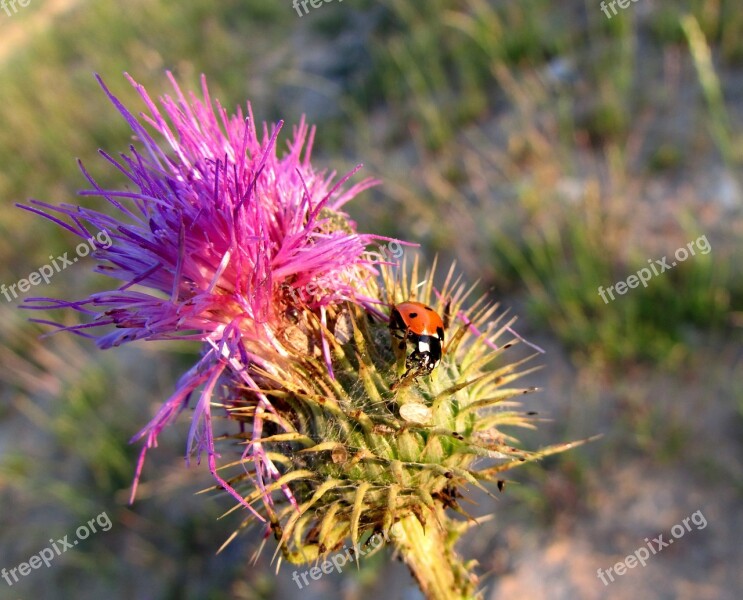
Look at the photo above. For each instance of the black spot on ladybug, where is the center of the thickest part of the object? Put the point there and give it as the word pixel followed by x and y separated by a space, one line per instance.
pixel 413 315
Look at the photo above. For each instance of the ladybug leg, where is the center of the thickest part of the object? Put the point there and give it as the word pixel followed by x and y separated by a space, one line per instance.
pixel 410 366
pixel 400 349
pixel 405 380
pixel 447 313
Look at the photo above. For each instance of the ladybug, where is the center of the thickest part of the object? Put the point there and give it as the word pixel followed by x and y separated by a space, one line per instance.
pixel 422 326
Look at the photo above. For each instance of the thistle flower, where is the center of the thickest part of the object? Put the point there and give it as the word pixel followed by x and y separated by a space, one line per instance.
pixel 217 243
pixel 225 241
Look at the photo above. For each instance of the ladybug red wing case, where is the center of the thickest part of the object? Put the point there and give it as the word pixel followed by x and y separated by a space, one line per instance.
pixel 422 327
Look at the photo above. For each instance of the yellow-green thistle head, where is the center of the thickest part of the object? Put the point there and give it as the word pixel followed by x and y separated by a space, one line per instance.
pixel 369 450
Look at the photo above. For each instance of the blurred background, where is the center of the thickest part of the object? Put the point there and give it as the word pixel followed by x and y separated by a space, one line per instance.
pixel 548 148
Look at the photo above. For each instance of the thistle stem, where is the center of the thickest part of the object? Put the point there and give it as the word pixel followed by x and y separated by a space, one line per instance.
pixel 429 553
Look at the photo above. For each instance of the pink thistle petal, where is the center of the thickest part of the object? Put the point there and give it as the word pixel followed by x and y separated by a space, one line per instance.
pixel 216 225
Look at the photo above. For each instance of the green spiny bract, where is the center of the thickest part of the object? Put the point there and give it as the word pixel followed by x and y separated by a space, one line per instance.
pixel 364 451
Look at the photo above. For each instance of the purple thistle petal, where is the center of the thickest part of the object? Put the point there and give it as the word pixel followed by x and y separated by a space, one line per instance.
pixel 48 216
pixel 216 224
